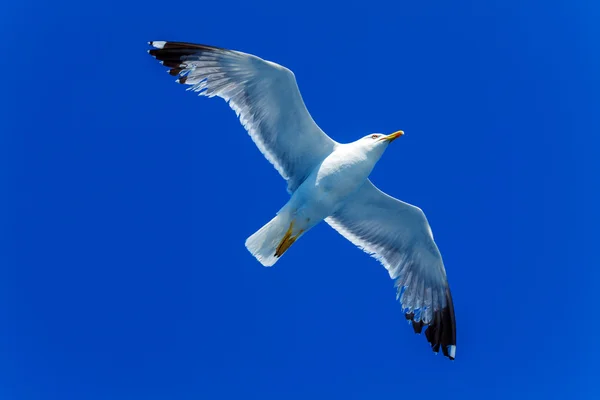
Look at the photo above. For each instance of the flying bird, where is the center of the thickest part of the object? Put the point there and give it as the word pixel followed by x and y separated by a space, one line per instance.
pixel 326 180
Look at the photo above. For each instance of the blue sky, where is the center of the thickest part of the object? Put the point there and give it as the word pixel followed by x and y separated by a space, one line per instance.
pixel 123 268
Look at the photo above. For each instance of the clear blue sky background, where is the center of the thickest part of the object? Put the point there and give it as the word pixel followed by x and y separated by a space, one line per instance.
pixel 123 270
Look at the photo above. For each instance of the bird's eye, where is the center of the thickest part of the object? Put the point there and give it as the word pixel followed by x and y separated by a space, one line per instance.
pixel 374 136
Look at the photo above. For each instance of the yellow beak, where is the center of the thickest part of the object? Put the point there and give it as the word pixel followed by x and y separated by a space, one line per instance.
pixel 393 136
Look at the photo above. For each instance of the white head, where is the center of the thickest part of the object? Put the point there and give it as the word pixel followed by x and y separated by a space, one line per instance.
pixel 374 145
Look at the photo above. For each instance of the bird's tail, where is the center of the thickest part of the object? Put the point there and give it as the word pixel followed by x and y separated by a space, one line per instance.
pixel 272 240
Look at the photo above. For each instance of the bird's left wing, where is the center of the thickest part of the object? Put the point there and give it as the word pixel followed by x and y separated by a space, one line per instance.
pixel 399 236
pixel 263 94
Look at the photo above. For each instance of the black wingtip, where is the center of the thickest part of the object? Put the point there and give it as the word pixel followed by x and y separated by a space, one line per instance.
pixel 173 55
pixel 441 330
pixel 163 44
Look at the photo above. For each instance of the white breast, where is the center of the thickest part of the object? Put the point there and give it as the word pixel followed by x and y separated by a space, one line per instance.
pixel 329 185
pixel 342 172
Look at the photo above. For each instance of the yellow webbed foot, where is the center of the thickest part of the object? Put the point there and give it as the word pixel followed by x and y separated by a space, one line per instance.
pixel 287 241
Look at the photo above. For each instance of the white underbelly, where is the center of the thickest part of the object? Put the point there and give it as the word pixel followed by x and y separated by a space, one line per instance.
pixel 326 189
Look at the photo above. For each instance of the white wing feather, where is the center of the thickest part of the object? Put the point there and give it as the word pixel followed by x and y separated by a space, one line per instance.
pixel 399 236
pixel 263 94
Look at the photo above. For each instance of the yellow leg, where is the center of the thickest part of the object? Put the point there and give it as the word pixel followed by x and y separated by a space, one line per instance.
pixel 287 241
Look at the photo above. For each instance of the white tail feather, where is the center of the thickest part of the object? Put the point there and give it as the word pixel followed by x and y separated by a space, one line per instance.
pixel 263 243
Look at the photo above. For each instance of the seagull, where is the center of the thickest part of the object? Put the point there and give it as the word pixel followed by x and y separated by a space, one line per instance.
pixel 327 181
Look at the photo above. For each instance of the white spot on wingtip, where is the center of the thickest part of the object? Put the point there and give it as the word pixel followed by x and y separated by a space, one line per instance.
pixel 158 44
pixel 452 351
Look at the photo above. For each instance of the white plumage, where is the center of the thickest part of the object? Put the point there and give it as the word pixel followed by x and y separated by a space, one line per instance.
pixel 327 180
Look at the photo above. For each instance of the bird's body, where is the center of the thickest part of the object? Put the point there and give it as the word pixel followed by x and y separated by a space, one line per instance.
pixel 328 186
pixel 326 180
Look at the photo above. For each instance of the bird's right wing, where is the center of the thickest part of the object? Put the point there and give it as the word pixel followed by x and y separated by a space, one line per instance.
pixel 398 235
pixel 263 94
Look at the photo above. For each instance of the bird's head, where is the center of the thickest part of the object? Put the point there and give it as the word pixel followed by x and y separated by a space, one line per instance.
pixel 376 143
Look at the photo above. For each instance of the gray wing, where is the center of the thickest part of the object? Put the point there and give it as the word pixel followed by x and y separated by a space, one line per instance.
pixel 399 236
pixel 263 94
